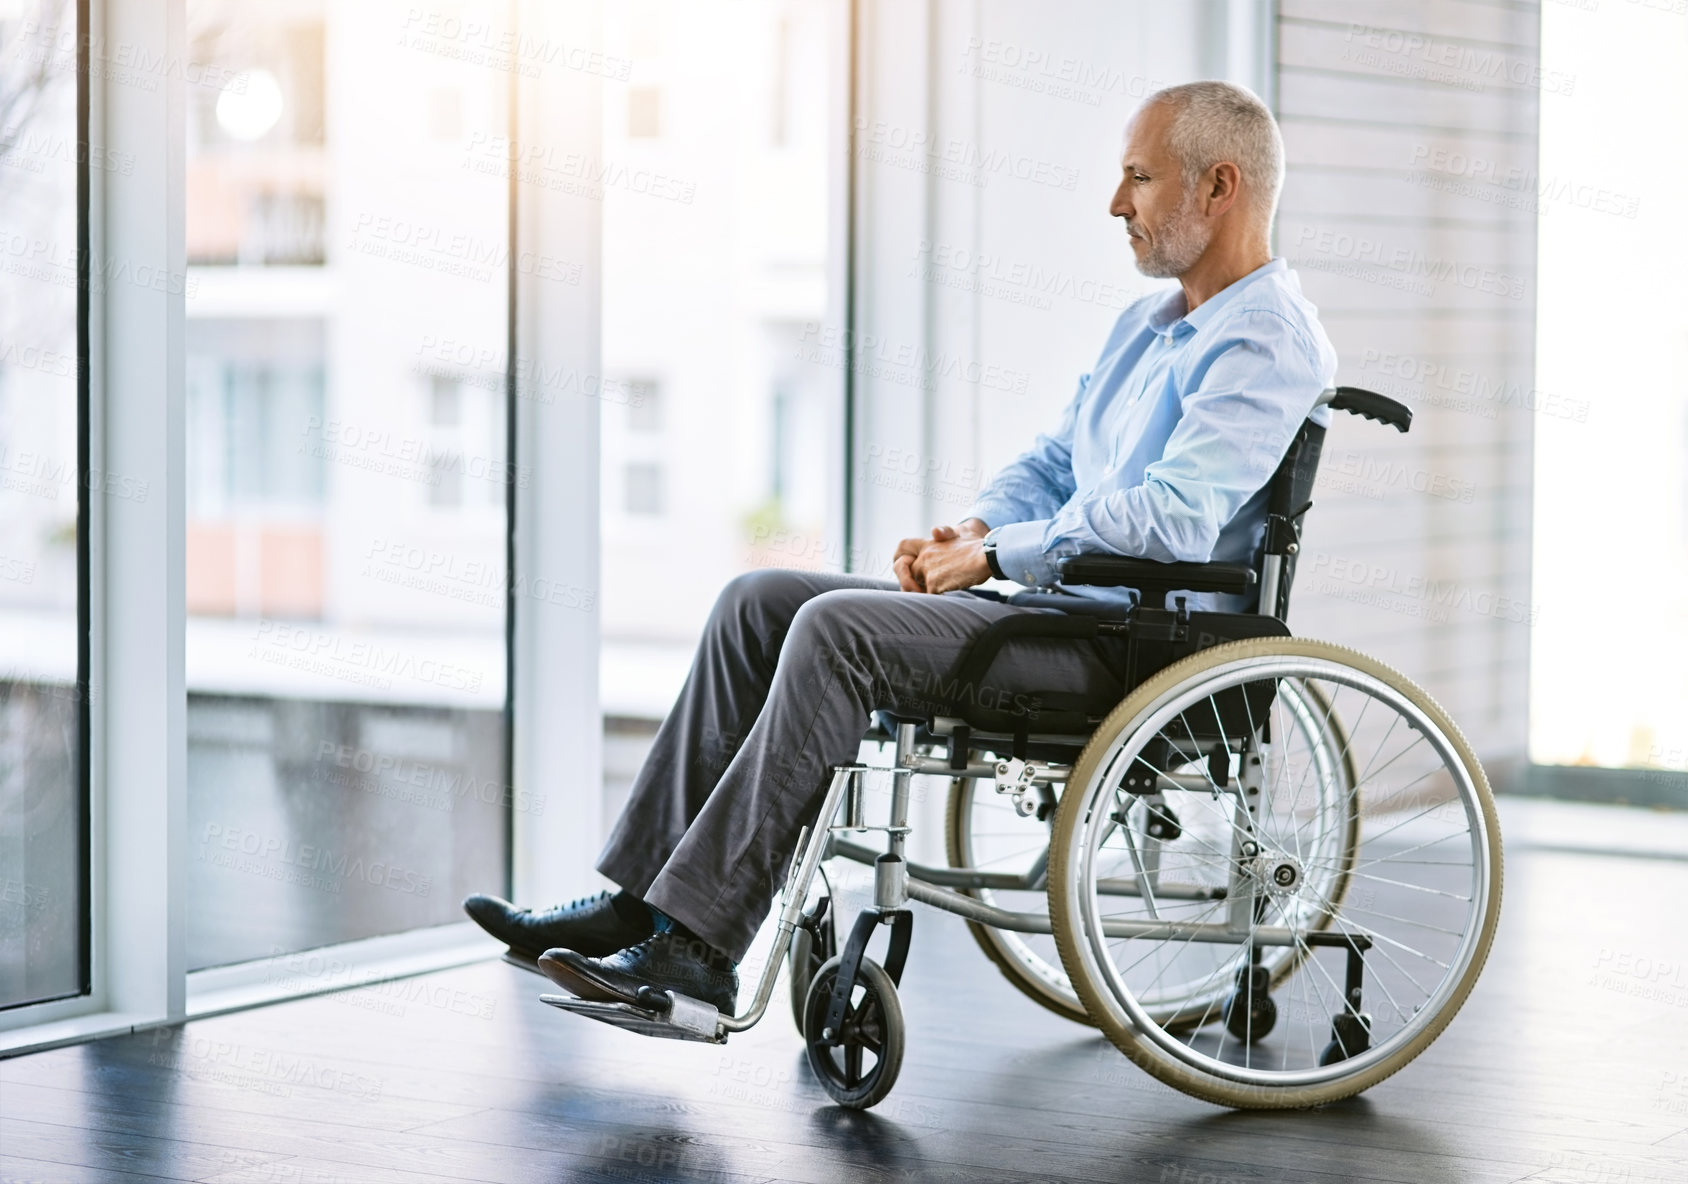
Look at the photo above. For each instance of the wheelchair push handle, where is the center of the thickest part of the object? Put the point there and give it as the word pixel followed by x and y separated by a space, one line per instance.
pixel 1369 404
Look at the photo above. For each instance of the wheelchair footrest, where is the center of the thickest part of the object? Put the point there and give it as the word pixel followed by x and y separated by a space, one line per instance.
pixel 685 1019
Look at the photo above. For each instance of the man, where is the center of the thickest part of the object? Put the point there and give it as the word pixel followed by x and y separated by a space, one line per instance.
pixel 1163 453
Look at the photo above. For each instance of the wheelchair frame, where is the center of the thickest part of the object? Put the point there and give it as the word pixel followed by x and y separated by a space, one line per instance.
pixel 1155 635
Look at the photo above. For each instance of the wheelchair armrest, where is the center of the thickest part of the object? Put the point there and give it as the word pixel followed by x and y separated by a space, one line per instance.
pixel 1121 571
pixel 1370 404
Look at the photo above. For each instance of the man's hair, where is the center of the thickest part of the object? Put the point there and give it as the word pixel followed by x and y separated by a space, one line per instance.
pixel 1215 121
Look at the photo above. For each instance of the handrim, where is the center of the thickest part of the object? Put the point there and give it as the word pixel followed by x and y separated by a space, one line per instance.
pixel 1072 910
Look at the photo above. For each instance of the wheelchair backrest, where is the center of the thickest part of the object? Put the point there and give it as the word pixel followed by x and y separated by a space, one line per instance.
pixel 1289 494
pixel 1288 497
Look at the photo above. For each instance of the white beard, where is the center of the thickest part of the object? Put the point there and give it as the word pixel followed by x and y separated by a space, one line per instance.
pixel 1181 241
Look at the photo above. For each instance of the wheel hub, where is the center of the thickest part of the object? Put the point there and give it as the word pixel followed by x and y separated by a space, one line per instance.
pixel 1279 873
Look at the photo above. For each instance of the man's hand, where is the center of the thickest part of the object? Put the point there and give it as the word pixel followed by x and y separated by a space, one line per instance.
pixel 952 558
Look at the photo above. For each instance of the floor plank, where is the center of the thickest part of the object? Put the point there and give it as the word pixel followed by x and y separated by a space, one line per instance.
pixel 1560 1068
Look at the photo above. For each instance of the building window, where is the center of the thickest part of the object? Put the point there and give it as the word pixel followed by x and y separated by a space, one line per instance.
pixel 644 407
pixel 256 164
pixel 643 481
pixel 779 106
pixel 257 438
pixel 644 112
pixel 445 483
pixel 445 402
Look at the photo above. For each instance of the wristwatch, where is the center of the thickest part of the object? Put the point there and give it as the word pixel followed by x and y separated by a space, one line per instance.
pixel 989 544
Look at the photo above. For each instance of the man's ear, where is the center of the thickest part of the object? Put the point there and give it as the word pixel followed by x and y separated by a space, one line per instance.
pixel 1224 182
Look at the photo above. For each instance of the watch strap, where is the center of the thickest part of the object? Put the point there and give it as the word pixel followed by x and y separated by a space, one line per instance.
pixel 990 556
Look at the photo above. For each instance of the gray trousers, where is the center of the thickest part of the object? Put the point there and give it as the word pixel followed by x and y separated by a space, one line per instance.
pixel 788 672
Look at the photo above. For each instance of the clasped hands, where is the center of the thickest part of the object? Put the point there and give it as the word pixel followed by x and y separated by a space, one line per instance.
pixel 952 558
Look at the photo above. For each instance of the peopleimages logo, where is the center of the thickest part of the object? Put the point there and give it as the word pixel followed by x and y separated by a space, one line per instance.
pixel 1497 183
pixel 1429 374
pixel 1438 60
pixel 904 363
pixel 315 651
pixel 1373 582
pixel 1016 281
pixel 546 166
pixel 955 159
pixel 309 864
pixel 1331 248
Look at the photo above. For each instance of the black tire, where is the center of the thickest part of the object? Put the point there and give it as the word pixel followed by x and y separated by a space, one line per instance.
pixel 872 1024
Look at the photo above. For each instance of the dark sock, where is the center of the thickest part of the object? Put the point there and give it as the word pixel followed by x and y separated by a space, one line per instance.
pixel 634 913
pixel 711 955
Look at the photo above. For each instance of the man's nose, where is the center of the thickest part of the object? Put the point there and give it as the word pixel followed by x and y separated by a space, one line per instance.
pixel 1120 206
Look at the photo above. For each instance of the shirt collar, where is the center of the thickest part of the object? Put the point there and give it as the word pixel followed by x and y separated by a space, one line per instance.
pixel 1170 319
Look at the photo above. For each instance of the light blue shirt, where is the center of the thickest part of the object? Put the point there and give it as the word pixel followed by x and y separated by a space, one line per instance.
pixel 1165 450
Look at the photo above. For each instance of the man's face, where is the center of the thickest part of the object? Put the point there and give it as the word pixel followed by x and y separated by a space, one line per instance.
pixel 1168 232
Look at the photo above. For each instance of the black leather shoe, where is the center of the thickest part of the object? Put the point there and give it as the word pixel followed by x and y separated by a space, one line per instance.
pixel 593 925
pixel 665 961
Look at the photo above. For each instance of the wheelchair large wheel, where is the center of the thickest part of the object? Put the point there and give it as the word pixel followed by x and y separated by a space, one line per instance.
pixel 1170 845
pixel 984 832
pixel 1214 734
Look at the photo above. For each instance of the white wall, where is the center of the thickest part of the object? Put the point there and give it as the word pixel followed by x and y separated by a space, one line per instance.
pixel 989 267
pixel 1616 477
pixel 1408 209
pixel 1020 279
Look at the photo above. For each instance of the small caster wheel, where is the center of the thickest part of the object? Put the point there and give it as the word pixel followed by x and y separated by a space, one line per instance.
pixel 859 1064
pixel 1350 1035
pixel 1250 1024
pixel 800 962
pixel 805 956
pixel 1249 1010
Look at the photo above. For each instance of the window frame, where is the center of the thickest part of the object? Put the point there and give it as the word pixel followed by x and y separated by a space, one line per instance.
pixel 77 1001
pixel 133 394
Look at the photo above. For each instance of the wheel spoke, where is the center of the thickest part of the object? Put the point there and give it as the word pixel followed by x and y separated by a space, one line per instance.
pixel 988 834
pixel 1325 753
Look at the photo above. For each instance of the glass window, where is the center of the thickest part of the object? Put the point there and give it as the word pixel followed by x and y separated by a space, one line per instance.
pixel 43 853
pixel 724 442
pixel 347 767
pixel 1611 408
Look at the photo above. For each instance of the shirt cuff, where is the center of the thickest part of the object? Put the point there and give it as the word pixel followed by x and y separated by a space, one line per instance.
pixel 1019 551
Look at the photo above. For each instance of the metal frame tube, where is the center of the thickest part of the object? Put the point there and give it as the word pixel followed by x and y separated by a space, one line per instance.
pixel 957 877
pixel 1271 571
pixel 987 914
pixel 809 849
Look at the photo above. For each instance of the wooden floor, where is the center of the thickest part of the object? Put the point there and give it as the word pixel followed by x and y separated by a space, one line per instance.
pixel 1569 1063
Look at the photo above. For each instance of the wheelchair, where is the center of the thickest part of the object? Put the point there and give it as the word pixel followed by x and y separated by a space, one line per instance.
pixel 1270 876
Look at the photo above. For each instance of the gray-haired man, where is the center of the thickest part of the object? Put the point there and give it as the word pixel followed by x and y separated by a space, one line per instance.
pixel 1163 452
